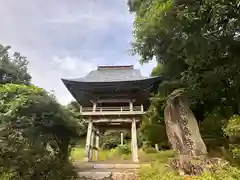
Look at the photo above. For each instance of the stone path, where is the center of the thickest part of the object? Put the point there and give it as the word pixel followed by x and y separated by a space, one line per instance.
pixel 107 171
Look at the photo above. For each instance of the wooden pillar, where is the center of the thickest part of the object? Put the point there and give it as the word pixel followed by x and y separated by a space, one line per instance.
pixel 80 109
pixel 97 144
pixel 131 105
pixel 92 146
pixel 94 106
pixel 88 141
pixel 142 109
pixel 121 139
pixel 134 142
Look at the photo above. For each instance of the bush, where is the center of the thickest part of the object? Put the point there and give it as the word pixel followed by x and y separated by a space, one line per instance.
pixel 124 149
pixel 111 139
pixel 29 164
pixel 232 130
pixel 36 134
pixel 159 172
pixel 5 176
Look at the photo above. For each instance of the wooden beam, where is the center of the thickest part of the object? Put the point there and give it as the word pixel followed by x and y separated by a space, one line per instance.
pixel 112 121
pixel 114 100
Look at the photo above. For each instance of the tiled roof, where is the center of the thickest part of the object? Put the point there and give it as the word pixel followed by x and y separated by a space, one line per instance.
pixel 112 74
pixel 111 81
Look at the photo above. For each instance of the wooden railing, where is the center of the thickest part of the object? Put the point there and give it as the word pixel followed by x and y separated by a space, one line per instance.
pixel 112 109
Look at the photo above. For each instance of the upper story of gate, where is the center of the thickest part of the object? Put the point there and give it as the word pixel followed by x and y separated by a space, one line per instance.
pixel 112 91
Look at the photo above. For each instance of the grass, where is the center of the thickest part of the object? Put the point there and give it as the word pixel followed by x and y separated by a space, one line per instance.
pixel 159 172
pixel 158 157
pixel 77 154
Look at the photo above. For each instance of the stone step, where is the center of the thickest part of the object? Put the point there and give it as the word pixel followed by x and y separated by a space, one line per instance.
pixel 107 171
pixel 79 165
pixel 107 175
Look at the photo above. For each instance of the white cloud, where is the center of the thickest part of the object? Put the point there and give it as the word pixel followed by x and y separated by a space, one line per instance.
pixel 74 66
pixel 66 63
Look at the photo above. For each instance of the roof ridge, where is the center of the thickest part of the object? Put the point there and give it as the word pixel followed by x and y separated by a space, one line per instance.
pixel 128 67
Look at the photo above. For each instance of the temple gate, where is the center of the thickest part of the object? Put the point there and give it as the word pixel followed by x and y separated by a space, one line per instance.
pixel 112 97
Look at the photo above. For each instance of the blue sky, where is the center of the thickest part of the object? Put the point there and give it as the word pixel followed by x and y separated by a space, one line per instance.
pixel 68 38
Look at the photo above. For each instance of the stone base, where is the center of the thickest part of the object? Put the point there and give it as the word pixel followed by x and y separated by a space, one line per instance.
pixel 107 175
pixel 187 165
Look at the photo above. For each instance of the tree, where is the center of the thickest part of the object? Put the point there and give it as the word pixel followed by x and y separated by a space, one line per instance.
pixel 36 131
pixel 13 69
pixel 74 108
pixel 197 46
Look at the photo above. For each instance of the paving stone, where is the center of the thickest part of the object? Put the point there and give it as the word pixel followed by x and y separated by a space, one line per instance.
pixel 83 165
pixel 95 175
pixel 127 166
pixel 103 166
pixel 124 176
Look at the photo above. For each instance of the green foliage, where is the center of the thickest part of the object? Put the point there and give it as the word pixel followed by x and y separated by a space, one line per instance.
pixel 156 71
pixel 159 172
pixel 212 132
pixel 124 149
pixel 158 157
pixel 152 128
pixel 232 130
pixel 154 174
pixel 36 133
pixel 111 139
pixel 150 150
pixel 233 127
pixel 74 110
pixel 196 45
pixel 154 133
pixel 13 69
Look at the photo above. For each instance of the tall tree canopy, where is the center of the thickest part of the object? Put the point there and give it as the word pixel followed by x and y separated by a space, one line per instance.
pixel 13 69
pixel 197 45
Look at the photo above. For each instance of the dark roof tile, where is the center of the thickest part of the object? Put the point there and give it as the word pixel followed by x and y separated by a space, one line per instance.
pixel 112 75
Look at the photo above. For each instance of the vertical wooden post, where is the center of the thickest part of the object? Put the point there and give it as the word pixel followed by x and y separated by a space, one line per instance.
pixel 134 142
pixel 92 146
pixel 97 144
pixel 94 106
pixel 131 105
pixel 80 109
pixel 88 141
pixel 142 108
pixel 121 139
